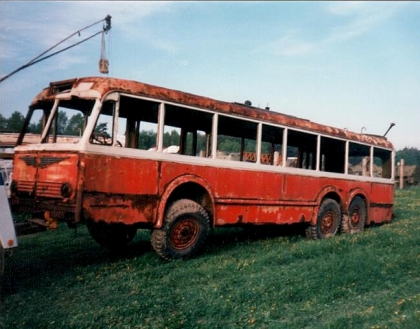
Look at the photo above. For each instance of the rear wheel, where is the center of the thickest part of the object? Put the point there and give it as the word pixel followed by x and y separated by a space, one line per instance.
pixel 111 236
pixel 328 220
pixel 184 230
pixel 356 219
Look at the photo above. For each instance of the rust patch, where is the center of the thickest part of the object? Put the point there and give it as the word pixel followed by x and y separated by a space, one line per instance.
pixel 120 208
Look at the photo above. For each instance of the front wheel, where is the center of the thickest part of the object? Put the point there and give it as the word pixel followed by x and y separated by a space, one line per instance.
pixel 328 220
pixel 111 236
pixel 184 230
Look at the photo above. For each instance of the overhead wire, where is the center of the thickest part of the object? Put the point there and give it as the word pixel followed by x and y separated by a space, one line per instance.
pixel 39 58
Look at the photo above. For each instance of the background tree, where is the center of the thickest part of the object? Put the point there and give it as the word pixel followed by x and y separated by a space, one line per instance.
pixel 62 120
pixel 147 139
pixel 74 126
pixel 15 122
pixel 3 123
pixel 35 128
pixel 410 155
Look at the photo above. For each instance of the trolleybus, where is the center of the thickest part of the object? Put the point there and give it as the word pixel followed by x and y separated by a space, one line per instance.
pixel 121 155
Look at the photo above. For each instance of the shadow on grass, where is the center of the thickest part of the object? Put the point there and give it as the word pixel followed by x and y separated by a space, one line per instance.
pixel 43 257
pixel 39 259
pixel 227 238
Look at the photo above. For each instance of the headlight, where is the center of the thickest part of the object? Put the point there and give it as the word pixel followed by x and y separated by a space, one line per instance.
pixel 66 190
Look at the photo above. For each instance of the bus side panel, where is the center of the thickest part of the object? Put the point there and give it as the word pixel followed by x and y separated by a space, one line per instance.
pixel 229 214
pixel 381 203
pixel 248 185
pixel 120 190
pixel 116 175
pixel 302 188
pixel 247 197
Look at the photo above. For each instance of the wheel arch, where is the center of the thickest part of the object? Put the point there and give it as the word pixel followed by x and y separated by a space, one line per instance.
pixel 186 187
pixel 329 192
pixel 357 192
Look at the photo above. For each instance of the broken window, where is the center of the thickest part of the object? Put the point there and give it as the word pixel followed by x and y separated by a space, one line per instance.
pixel 333 155
pixel 187 131
pixel 382 163
pixel 60 122
pixel 301 150
pixel 236 139
pixel 359 159
pixel 272 145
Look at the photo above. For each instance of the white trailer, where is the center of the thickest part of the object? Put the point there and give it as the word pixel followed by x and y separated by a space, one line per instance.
pixel 7 229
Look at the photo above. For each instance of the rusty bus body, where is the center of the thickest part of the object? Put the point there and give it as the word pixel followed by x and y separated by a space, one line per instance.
pixel 280 169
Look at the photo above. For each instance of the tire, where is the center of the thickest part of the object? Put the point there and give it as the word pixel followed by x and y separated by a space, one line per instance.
pixel 111 236
pixel 328 221
pixel 356 219
pixel 184 231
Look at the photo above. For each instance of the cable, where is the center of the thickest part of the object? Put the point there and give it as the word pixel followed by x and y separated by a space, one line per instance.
pixel 39 58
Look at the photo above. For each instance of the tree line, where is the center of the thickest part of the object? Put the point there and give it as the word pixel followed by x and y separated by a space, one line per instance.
pixel 74 125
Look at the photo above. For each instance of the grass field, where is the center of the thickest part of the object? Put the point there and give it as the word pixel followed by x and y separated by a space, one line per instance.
pixel 369 280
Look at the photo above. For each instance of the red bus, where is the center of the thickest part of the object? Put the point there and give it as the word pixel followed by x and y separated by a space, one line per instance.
pixel 121 155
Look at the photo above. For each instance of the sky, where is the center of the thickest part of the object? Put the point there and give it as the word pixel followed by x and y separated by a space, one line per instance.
pixel 353 65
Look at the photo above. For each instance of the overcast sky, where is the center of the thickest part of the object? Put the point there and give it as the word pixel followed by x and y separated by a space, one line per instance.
pixel 353 65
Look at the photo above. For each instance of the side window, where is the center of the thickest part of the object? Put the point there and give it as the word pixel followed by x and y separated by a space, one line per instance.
pixel 301 150
pixel 236 139
pixel 187 131
pixel 272 145
pixel 382 163
pixel 102 133
pixel 333 155
pixel 137 123
pixel 359 159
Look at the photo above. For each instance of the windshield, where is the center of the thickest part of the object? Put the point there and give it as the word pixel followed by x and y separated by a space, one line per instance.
pixel 56 121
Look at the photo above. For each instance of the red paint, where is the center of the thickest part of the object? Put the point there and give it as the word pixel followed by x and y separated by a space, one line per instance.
pixel 122 189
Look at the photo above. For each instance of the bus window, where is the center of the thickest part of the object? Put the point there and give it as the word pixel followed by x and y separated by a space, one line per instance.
pixel 359 159
pixel 382 163
pixel 137 123
pixel 64 125
pixel 103 132
pixel 236 139
pixel 187 131
pixel 271 145
pixel 333 155
pixel 194 143
pixel 301 150
pixel 37 119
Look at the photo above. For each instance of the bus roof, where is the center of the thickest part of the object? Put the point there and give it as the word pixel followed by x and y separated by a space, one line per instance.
pixel 98 87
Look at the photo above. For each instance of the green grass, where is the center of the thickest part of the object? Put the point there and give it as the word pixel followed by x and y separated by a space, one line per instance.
pixel 369 280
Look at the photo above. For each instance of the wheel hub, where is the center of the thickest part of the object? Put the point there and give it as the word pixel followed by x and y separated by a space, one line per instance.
pixel 355 218
pixel 184 234
pixel 327 222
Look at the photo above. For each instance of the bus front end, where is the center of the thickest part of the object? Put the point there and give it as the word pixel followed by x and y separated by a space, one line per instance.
pixel 47 173
pixel 45 184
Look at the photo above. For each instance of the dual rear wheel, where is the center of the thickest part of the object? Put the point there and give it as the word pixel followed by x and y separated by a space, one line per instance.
pixel 330 220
